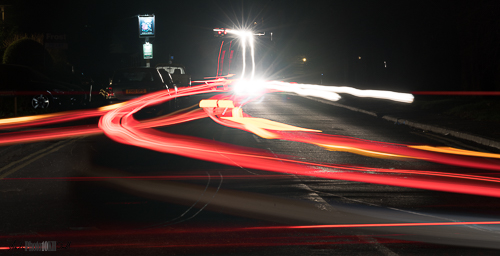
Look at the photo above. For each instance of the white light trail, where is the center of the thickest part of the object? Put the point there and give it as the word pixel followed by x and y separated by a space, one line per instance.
pixel 326 92
pixel 245 37
pixel 321 91
pixel 252 53
pixel 243 46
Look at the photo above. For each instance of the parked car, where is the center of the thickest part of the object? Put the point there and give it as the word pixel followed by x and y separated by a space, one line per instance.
pixel 178 73
pixel 130 83
pixel 79 79
pixel 35 90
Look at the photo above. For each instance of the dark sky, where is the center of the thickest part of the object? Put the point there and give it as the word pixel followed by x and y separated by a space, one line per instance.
pixel 423 42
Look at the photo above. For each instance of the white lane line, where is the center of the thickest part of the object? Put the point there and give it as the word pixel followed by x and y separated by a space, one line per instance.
pixel 33 157
pixel 324 205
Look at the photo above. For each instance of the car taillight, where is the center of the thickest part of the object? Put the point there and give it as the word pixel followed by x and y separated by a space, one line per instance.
pixel 110 93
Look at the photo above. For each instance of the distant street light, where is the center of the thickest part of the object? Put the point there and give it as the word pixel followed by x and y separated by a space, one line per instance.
pixel 304 59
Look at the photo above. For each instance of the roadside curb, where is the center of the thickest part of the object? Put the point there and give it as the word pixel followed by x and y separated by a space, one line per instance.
pixel 417 125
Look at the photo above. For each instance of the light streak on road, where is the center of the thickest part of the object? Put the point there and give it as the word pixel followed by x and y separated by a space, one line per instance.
pixel 46 119
pixel 112 106
pixel 378 225
pixel 243 38
pixel 252 53
pixel 218 60
pixel 333 91
pixel 120 125
pixel 48 134
pixel 456 151
pixel 273 130
pixel 190 239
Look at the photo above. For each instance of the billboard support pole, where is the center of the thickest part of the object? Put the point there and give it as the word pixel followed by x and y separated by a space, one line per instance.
pixel 148 61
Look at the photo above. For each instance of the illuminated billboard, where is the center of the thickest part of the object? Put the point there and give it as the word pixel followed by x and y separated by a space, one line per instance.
pixel 146 25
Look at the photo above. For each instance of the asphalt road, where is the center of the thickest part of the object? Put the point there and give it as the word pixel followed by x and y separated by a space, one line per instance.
pixel 67 191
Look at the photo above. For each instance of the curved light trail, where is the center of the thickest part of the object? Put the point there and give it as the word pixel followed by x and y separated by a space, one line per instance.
pixel 120 125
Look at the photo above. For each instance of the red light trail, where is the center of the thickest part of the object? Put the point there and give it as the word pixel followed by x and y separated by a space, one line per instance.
pixel 120 125
pixel 378 225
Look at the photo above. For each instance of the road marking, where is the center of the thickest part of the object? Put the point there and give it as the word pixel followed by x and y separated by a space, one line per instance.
pixel 382 248
pixel 174 220
pixel 448 141
pixel 324 205
pixel 256 138
pixel 33 157
pixel 29 156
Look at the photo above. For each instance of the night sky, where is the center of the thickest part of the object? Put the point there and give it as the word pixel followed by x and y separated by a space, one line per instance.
pixel 426 45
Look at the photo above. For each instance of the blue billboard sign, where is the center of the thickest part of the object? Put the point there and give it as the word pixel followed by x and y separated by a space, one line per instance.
pixel 146 25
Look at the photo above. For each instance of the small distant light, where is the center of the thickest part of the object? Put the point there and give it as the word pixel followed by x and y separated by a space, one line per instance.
pixel 359 57
pixel 304 59
pixel 385 64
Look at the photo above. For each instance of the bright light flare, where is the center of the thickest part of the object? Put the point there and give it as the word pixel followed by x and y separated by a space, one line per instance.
pixel 249 87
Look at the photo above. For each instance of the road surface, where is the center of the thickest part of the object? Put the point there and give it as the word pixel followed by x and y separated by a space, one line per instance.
pixel 68 191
